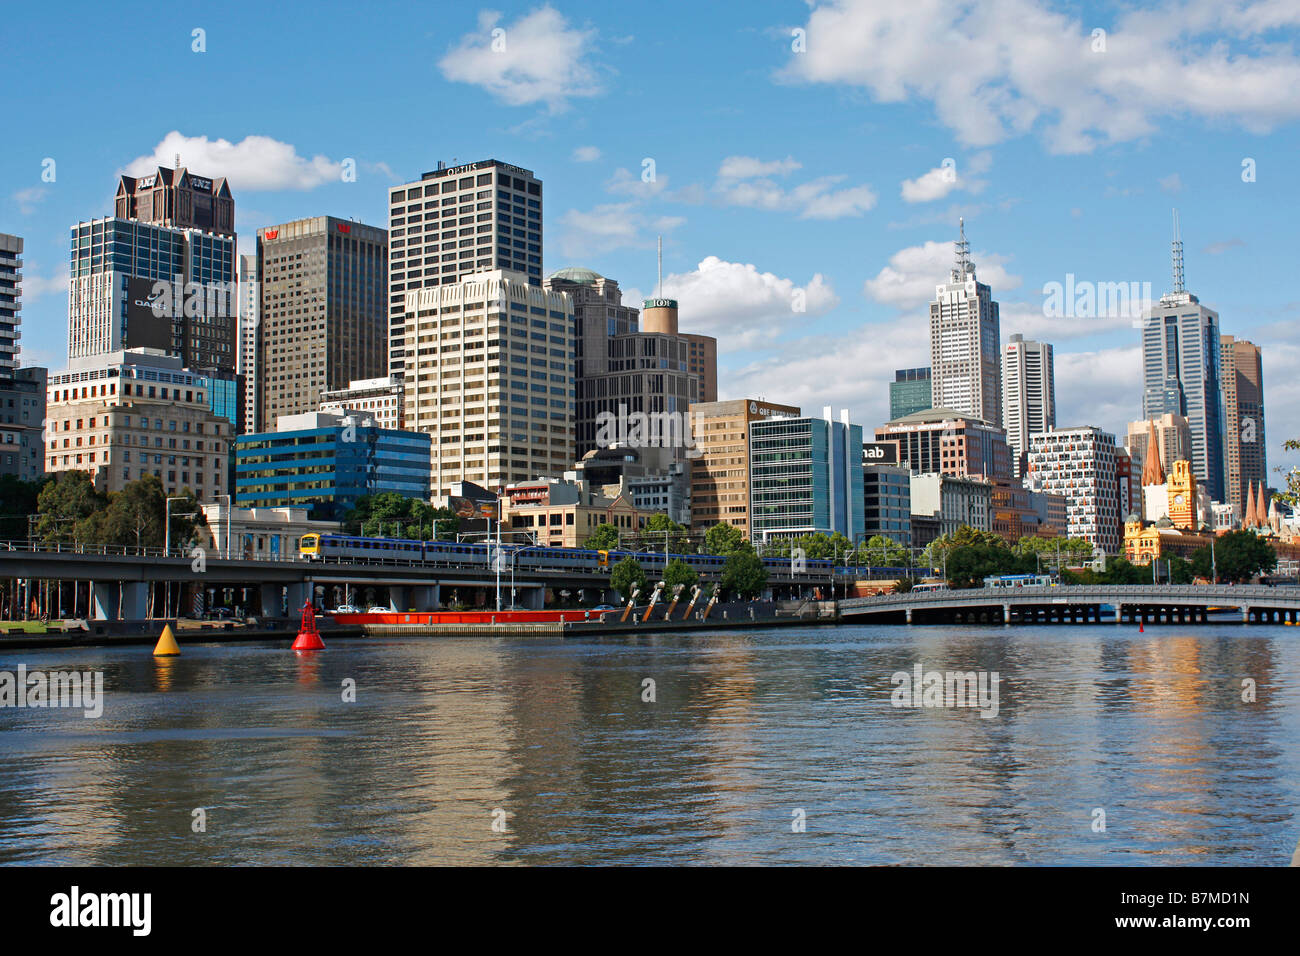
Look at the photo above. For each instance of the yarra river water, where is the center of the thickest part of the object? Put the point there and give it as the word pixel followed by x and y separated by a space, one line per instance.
pixel 746 730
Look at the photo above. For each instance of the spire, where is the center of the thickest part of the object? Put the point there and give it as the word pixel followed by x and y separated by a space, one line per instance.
pixel 1152 471
pixel 1251 519
pixel 964 266
pixel 1261 509
pixel 1177 250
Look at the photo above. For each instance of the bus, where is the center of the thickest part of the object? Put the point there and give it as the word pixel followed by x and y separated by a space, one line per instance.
pixel 930 586
pixel 1019 581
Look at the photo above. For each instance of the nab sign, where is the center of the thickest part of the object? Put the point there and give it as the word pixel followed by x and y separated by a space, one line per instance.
pixel 880 453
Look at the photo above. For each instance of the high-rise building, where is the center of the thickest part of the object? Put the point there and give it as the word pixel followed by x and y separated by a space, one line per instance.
pixel 887 494
pixel 322 320
pixel 965 343
pixel 953 502
pixel 805 477
pixel 119 417
pixel 11 297
pixel 1180 372
pixel 720 472
pixel 1242 380
pixel 489 374
pixel 246 362
pixel 948 442
pixel 630 369
pixel 177 198
pixel 135 284
pixel 1079 465
pixel 1028 394
pixel 380 399
pixel 451 223
pixel 910 392
pixel 703 363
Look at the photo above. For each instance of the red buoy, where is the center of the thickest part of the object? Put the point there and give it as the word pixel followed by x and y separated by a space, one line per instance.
pixel 308 636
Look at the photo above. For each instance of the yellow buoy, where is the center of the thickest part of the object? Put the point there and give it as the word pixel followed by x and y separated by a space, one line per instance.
pixel 166 646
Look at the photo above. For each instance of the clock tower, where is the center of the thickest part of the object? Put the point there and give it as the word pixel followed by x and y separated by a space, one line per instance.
pixel 1182 495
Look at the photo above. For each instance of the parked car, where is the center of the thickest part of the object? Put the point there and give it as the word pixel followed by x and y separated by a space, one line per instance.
pixel 377 609
pixel 346 609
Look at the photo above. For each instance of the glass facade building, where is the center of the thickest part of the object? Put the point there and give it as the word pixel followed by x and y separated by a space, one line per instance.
pixel 806 476
pixel 887 498
pixel 326 469
pixel 909 391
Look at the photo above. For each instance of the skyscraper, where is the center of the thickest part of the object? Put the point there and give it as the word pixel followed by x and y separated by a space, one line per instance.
pixel 1242 380
pixel 965 342
pixel 455 222
pixel 22 390
pixel 177 198
pixel 1028 394
pixel 909 392
pixel 1180 371
pixel 322 321
pixel 11 296
pixel 250 302
pixel 805 477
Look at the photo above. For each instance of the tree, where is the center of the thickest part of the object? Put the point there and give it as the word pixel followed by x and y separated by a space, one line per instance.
pixel 1238 556
pixel 679 572
pixel 67 509
pixel 18 501
pixel 627 576
pixel 1292 494
pixel 969 564
pixel 659 527
pixel 723 539
pixel 743 573
pixel 390 514
pixel 1123 571
pixel 604 538
pixel 881 550
pixel 1071 550
pixel 136 517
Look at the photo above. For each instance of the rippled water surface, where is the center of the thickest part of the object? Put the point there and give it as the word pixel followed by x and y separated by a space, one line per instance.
pixel 552 736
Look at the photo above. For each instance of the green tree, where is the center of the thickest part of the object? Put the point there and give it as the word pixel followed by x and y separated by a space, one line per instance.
pixel 18 501
pixel 1238 556
pixel 68 508
pixel 1122 571
pixel 679 572
pixel 723 539
pixel 659 525
pixel 390 514
pixel 627 576
pixel 883 551
pixel 604 538
pixel 136 517
pixel 1072 551
pixel 969 564
pixel 1292 494
pixel 743 573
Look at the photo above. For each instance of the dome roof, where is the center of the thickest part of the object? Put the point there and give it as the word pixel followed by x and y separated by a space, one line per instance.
pixel 577 274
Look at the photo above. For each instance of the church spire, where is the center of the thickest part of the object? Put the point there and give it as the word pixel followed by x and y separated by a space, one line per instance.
pixel 1152 471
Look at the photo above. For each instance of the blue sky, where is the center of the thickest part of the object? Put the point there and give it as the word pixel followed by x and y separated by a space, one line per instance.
pixel 780 175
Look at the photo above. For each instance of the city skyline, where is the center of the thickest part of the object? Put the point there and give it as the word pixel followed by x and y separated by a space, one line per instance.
pixel 748 214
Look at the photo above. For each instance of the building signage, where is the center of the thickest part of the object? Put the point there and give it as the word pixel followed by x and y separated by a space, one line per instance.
pixel 880 452
pixel 270 233
pixel 147 182
pixel 470 167
pixel 344 227
pixel 197 183
pixel 660 303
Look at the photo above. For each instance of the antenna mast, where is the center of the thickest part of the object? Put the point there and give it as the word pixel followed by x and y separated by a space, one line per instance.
pixel 964 265
pixel 661 267
pixel 1177 250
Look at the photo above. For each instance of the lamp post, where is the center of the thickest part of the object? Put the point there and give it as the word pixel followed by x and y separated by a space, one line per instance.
pixel 229 504
pixel 514 556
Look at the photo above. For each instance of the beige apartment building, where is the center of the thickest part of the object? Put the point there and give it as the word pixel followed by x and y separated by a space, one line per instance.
pixel 720 473
pixel 564 514
pixel 121 416
pixel 489 374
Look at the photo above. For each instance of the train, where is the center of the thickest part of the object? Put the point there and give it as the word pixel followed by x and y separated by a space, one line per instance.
pixel 1020 581
pixel 362 550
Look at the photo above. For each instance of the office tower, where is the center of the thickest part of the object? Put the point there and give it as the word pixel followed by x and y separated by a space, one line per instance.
pixel 1180 372
pixel 22 390
pixel 1172 437
pixel 118 417
pixel 250 301
pixel 1241 378
pixel 948 442
pixel 965 340
pixel 805 477
pixel 455 222
pixel 177 198
pixel 720 472
pixel 135 284
pixel 952 502
pixel 630 370
pixel 1028 394
pixel 322 321
pixel 489 374
pixel 703 364
pixel 909 392
pixel 1079 465
pixel 887 495
pixel 326 462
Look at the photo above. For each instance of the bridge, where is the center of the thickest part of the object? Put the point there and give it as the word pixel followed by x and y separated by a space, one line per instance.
pixel 120 578
pixel 1082 604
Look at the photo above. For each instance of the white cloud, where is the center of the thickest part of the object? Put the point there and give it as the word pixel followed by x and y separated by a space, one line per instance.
pixel 913 273
pixel 747 167
pixel 34 286
pixel 744 181
pixel 992 69
pixel 611 226
pixel 29 198
pixel 586 154
pixel 1173 183
pixel 1102 388
pixel 737 302
pixel 946 177
pixel 625 183
pixel 255 162
pixel 537 59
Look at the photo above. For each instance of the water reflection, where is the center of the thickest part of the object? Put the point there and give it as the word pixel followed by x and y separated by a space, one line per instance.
pixel 747 733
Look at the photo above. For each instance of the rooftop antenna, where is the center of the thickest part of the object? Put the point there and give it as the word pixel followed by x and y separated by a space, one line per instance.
pixel 964 265
pixel 178 160
pixel 1178 257
pixel 661 267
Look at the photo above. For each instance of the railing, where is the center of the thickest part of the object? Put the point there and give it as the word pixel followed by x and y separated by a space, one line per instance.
pixel 132 551
pixel 1084 592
